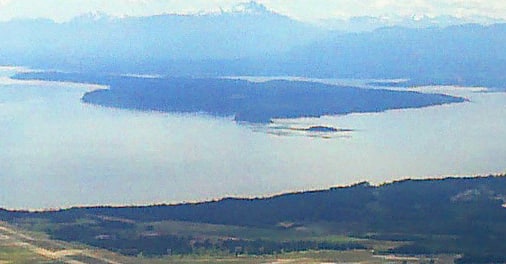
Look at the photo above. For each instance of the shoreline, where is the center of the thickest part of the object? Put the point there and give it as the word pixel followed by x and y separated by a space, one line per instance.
pixel 254 197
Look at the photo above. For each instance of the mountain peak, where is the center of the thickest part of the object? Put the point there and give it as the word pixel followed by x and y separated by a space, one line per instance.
pixel 93 17
pixel 251 7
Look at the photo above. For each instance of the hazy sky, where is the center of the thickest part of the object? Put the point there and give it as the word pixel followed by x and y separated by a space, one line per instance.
pixel 308 10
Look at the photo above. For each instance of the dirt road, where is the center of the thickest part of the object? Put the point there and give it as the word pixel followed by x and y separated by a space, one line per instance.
pixel 50 249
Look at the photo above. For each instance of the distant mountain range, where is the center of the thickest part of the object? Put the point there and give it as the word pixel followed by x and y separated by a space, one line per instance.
pixel 92 40
pixel 370 23
pixel 468 54
pixel 252 40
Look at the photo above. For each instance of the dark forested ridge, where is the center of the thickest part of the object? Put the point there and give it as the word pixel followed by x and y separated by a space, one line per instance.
pixel 246 101
pixel 452 215
pixel 387 207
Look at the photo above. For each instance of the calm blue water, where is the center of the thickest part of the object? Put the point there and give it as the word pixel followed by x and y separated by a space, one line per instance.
pixel 58 152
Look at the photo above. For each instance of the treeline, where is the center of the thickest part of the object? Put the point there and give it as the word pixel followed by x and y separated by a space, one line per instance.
pixel 424 206
pixel 447 206
pixel 124 240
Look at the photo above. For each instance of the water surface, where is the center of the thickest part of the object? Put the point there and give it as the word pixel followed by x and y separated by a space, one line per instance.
pixel 57 152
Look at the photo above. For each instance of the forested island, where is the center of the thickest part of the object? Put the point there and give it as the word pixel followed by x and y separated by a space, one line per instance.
pixel 246 101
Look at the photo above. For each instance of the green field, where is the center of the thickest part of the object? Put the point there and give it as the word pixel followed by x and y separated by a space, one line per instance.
pixel 41 232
